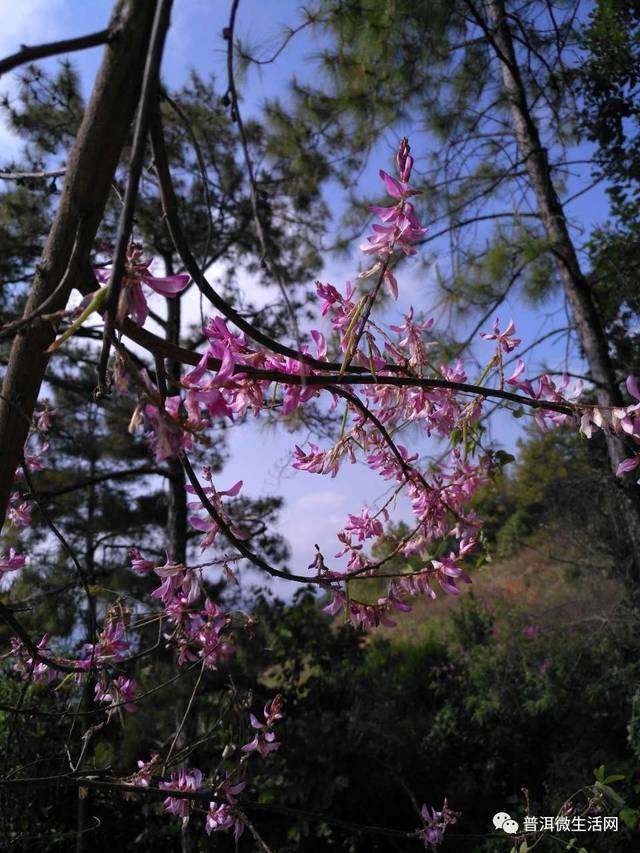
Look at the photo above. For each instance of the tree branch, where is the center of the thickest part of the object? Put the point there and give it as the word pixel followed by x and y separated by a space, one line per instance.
pixel 91 167
pixel 157 345
pixel 29 53
pixel 147 96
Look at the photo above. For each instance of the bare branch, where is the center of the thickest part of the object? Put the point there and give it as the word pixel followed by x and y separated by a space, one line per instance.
pixel 267 259
pixel 53 48
pixel 32 176
pixel 147 97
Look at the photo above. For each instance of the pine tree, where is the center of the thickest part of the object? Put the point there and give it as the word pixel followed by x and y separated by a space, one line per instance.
pixel 495 88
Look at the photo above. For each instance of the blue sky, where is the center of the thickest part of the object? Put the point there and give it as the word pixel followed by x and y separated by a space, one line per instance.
pixel 315 506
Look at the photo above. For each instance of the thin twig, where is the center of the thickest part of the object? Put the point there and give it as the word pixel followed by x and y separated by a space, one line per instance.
pixel 147 96
pixel 267 259
pixel 31 176
pixel 203 172
pixel 82 575
pixel 70 271
pixel 184 718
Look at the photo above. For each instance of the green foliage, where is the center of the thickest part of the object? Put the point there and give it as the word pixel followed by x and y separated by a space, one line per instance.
pixel 392 64
pixel 556 478
pixel 477 710
pixel 48 109
pixel 611 119
pixel 464 702
pixel 611 115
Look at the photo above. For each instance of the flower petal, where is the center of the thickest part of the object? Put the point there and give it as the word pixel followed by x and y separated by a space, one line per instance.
pixel 168 285
pixel 627 465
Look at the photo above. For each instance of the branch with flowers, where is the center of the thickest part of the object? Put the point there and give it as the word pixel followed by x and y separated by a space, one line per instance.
pixel 234 376
pixel 388 379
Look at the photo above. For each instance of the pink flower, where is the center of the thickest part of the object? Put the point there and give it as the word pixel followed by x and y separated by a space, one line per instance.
pixel 139 564
pixel 402 230
pixel 627 465
pixel 364 526
pixel 177 581
pixel 121 692
pixel 504 339
pixel 184 781
pixel 331 296
pixel 44 418
pixel 265 740
pixel 110 646
pixel 24 665
pixel 632 387
pixel 337 603
pixel 12 563
pixel 205 522
pixel 321 344
pixel 19 512
pixel 273 710
pixel 401 227
pixel 231 791
pixel 435 824
pixel 447 572
pixel 413 340
pixel 522 384
pixel 33 458
pixel 132 299
pixel 163 429
pixel 322 461
pixel 205 638
pixel 404 160
pixel 142 777
pixel 223 817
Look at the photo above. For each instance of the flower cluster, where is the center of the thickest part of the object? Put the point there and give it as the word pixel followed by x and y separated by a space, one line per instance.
pixel 142 777
pixel 221 816
pixel 446 528
pixel 19 509
pixel 400 228
pixel 224 816
pixel 120 692
pixel 198 632
pixel 205 522
pixel 12 562
pixel 265 741
pixel 503 340
pixel 622 421
pixel 435 824
pixel 420 387
pixel 110 648
pixel 29 667
pixel 183 780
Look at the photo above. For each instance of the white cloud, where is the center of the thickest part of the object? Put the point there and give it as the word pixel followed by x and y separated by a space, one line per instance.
pixel 320 501
pixel 313 518
pixel 28 22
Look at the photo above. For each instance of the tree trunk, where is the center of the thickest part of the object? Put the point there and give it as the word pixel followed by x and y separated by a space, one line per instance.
pixel 91 167
pixel 576 287
pixel 177 515
pixel 85 795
